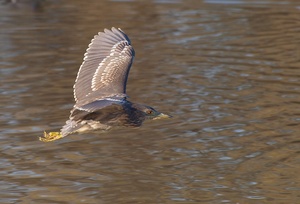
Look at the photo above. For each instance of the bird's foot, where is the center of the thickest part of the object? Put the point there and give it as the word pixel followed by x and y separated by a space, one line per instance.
pixel 51 136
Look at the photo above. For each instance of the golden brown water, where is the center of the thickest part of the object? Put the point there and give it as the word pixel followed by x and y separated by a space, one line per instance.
pixel 228 71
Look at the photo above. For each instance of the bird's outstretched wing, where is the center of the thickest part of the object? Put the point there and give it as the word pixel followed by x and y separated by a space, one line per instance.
pixel 105 67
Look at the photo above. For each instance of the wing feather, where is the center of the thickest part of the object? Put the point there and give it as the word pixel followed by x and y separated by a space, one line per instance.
pixel 105 67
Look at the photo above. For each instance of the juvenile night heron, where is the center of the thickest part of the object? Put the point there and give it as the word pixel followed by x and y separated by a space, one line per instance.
pixel 100 89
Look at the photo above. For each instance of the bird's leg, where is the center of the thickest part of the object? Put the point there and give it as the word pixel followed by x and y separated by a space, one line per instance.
pixel 51 136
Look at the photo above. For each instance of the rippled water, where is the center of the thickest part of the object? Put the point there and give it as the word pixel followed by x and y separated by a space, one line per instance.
pixel 228 71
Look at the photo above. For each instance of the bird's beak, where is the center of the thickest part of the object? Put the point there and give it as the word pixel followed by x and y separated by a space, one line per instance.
pixel 162 116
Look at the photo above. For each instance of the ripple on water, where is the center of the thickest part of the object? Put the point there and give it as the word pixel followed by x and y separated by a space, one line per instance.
pixel 228 72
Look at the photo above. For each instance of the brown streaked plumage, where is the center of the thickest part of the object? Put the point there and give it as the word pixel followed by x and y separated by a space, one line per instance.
pixel 105 67
pixel 100 88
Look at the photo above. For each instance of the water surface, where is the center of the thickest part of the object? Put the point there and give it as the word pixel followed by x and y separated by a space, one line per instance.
pixel 228 71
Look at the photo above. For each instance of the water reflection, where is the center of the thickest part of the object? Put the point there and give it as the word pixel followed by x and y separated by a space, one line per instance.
pixel 227 71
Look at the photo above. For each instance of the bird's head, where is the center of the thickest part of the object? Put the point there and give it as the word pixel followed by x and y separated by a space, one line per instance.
pixel 153 114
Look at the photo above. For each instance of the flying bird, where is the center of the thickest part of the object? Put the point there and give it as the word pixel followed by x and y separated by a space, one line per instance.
pixel 100 95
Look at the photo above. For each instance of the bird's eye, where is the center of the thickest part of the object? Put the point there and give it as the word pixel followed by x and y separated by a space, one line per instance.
pixel 149 112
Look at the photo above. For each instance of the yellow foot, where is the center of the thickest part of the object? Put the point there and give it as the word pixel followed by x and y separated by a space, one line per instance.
pixel 51 136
